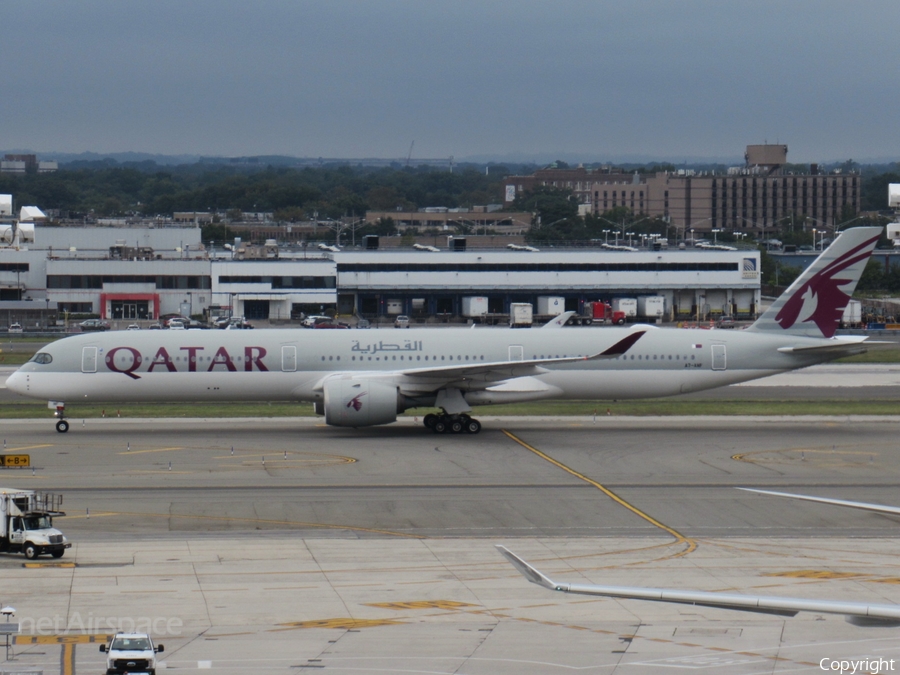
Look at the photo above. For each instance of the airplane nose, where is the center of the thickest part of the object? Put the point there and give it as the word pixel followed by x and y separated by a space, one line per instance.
pixel 16 382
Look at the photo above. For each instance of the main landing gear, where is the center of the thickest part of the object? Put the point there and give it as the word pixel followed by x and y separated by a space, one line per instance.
pixel 452 424
pixel 62 426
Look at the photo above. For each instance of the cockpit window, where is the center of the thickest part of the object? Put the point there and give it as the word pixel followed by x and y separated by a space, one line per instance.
pixel 42 357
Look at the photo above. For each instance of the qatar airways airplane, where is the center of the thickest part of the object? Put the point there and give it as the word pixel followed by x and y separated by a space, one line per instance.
pixel 358 379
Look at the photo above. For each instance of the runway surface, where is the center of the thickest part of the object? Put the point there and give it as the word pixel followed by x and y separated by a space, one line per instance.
pixel 371 551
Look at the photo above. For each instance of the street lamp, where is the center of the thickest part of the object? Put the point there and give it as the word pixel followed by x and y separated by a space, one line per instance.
pixel 630 235
pixel 715 231
pixel 606 232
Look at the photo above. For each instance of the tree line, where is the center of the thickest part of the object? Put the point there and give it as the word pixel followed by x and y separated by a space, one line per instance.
pixel 291 194
pixel 107 189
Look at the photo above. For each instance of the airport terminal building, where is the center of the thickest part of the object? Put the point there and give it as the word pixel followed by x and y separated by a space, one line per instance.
pixel 148 272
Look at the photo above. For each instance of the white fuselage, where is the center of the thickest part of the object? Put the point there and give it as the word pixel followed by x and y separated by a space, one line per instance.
pixel 291 364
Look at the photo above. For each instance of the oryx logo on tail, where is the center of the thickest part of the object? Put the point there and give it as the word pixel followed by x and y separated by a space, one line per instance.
pixel 822 299
pixel 814 303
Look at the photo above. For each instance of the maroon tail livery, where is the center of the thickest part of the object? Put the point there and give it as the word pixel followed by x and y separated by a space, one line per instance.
pixel 814 303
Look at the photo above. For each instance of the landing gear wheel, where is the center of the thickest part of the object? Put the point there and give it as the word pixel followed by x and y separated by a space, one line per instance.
pixel 62 426
pixel 429 420
pixel 440 426
pixel 58 554
pixel 30 551
pixel 456 427
pixel 472 426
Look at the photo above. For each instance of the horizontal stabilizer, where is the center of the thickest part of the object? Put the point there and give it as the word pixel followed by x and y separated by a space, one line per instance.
pixel 856 612
pixel 851 344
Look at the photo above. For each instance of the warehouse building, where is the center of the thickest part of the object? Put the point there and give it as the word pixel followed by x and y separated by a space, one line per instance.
pixel 143 273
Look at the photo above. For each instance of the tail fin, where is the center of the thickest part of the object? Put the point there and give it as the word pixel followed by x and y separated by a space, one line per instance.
pixel 814 303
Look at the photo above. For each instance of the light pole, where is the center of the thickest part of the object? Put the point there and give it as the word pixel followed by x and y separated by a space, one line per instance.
pixel 606 232
pixel 715 231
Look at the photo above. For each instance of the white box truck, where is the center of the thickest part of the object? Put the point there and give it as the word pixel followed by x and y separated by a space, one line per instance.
pixel 628 306
pixel 520 314
pixel 476 305
pixel 852 316
pixel 550 305
pixel 651 306
pixel 26 523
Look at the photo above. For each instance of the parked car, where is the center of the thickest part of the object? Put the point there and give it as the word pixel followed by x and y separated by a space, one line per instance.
pixel 15 328
pixel 175 324
pixel 363 323
pixel 133 326
pixel 402 321
pixel 312 319
pixel 238 324
pixel 725 322
pixel 94 324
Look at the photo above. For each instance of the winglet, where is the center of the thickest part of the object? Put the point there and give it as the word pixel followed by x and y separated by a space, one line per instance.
pixel 621 346
pixel 527 571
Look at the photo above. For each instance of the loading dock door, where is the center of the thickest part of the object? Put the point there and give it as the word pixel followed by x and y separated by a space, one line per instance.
pixel 288 358
pixel 718 357
pixel 89 360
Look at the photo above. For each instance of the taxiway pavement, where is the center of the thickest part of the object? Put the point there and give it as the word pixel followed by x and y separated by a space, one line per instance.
pixel 371 551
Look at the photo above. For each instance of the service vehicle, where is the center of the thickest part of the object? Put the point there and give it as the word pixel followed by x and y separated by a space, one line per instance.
pixel 131 653
pixel 26 523
pixel 15 328
pixel 401 321
pixel 94 324
pixel 627 306
pixel 651 307
pixel 852 315
pixel 521 314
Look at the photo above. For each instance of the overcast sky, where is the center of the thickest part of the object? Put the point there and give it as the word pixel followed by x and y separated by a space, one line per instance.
pixel 470 78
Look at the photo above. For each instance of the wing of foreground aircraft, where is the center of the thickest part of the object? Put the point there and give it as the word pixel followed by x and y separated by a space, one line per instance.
pixel 857 613
pixel 874 508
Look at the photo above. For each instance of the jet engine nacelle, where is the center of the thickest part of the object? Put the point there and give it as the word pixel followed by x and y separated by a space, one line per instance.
pixel 354 402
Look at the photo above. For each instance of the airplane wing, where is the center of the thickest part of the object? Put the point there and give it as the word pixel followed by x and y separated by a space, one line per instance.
pixel 875 508
pixel 857 613
pixel 504 370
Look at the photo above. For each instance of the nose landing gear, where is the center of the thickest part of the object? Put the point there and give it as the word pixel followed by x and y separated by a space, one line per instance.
pixel 452 424
pixel 61 425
